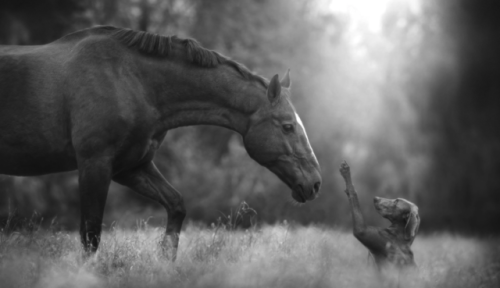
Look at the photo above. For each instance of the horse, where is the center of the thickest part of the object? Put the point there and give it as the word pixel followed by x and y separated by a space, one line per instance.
pixel 101 100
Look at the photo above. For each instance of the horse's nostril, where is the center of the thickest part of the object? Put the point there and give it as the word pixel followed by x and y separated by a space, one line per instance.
pixel 317 185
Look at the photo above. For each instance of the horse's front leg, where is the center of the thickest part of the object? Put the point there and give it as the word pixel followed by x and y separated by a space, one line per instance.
pixel 148 181
pixel 94 179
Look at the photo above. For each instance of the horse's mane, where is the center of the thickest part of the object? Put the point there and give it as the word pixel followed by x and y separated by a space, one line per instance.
pixel 157 45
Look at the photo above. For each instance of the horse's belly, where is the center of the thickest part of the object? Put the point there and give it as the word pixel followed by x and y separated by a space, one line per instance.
pixel 30 164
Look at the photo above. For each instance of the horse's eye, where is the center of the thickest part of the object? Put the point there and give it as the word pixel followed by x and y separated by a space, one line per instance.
pixel 288 128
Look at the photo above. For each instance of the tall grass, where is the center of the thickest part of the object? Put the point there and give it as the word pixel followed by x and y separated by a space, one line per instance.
pixel 221 256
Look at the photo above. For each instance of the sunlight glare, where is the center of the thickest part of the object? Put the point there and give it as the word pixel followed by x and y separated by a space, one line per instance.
pixel 366 58
pixel 367 13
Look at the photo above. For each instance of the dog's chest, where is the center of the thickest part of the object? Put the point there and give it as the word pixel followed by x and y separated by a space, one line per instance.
pixel 401 255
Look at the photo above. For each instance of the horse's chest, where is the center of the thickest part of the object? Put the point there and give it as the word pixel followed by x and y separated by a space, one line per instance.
pixel 137 153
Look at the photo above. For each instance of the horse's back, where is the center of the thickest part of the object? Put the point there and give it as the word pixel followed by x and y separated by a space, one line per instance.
pixel 57 98
pixel 33 130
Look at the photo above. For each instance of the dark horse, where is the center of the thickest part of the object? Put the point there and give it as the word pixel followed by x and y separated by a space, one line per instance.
pixel 101 100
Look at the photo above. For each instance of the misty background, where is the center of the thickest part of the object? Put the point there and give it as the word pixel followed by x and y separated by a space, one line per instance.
pixel 407 91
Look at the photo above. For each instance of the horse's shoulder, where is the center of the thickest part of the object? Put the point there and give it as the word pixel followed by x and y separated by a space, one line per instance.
pixel 91 43
pixel 98 51
pixel 86 33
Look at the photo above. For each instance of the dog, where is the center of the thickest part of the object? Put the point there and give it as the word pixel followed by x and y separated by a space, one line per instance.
pixel 389 245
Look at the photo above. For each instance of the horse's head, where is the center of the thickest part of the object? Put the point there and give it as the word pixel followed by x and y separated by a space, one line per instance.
pixel 276 139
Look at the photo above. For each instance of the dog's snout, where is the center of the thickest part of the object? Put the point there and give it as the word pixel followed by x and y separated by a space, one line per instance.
pixel 316 187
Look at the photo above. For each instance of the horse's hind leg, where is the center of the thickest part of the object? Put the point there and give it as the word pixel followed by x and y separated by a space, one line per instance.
pixel 148 181
pixel 94 179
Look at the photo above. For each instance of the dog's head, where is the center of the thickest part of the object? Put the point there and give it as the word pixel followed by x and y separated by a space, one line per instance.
pixel 401 212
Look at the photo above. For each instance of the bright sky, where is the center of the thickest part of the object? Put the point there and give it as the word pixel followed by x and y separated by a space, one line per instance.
pixel 365 12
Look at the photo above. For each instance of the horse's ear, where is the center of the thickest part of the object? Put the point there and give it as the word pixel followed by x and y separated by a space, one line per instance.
pixel 274 90
pixel 286 82
pixel 412 224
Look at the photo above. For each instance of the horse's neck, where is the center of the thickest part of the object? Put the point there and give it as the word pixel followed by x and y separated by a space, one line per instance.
pixel 209 96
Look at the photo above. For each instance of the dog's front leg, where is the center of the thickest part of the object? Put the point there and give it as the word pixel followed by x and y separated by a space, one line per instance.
pixel 359 226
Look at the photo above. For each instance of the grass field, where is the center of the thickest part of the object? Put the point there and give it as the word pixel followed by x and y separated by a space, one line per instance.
pixel 271 256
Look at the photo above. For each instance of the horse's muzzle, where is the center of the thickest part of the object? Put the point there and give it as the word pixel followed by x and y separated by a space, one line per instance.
pixel 302 193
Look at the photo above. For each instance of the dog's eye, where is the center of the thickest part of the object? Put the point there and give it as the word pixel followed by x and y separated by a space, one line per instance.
pixel 288 128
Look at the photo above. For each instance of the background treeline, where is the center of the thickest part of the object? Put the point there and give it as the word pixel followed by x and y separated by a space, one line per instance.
pixel 409 97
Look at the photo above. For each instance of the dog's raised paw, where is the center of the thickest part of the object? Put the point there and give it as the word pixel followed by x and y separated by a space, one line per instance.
pixel 344 168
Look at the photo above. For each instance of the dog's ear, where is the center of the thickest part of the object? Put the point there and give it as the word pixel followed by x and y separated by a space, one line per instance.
pixel 412 224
